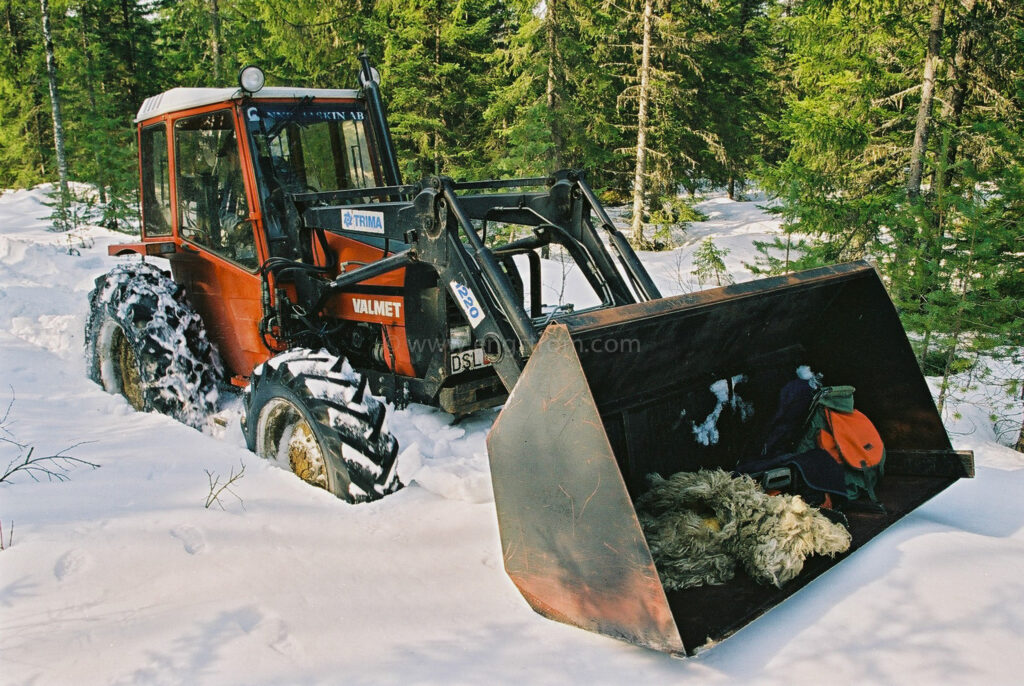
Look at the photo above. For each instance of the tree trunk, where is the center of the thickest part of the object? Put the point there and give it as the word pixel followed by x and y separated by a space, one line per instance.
pixel 924 110
pixel 958 325
pixel 952 112
pixel 101 181
pixel 9 20
pixel 553 84
pixel 215 40
pixel 641 129
pixel 954 104
pixel 129 37
pixel 926 343
pixel 437 134
pixel 1020 440
pixel 39 132
pixel 58 123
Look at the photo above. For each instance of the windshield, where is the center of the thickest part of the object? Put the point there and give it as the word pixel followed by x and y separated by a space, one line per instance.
pixel 313 146
pixel 304 146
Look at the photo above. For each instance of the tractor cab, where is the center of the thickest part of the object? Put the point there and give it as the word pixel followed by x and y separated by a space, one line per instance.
pixel 218 167
pixel 237 156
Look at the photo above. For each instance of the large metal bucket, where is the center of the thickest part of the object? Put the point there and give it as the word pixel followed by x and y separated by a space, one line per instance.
pixel 613 395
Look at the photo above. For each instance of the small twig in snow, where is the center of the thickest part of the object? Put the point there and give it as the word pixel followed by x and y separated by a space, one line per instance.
pixel 53 467
pixel 217 488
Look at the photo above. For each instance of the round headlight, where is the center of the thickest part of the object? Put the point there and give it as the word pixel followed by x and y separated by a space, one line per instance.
pixel 251 79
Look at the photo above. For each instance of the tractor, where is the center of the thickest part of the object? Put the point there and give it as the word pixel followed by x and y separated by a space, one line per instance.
pixel 304 271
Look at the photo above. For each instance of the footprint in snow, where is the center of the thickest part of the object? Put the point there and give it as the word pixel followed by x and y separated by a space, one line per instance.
pixel 276 634
pixel 71 562
pixel 191 537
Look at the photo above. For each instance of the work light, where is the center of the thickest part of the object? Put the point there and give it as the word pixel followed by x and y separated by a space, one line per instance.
pixel 251 79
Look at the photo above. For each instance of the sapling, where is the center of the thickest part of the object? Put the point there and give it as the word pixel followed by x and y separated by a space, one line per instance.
pixel 709 263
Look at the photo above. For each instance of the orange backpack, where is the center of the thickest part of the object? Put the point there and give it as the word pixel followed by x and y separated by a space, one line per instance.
pixel 849 437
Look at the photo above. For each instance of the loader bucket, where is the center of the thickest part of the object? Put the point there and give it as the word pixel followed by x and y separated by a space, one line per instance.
pixel 613 395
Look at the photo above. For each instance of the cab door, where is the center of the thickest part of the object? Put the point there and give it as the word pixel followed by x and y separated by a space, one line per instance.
pixel 220 256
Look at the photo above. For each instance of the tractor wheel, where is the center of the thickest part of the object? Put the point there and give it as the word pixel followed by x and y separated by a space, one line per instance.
pixel 310 412
pixel 144 341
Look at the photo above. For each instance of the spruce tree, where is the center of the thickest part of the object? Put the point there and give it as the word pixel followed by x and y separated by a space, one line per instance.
pixel 436 80
pixel 106 68
pixel 25 135
pixel 709 263
pixel 904 145
pixel 549 86
pixel 740 91
pixel 660 76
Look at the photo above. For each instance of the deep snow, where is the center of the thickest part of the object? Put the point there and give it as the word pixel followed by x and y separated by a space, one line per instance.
pixel 120 576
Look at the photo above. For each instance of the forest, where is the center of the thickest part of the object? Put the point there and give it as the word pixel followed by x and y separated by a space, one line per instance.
pixel 890 131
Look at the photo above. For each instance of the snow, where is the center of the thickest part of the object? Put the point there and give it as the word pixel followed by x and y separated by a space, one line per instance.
pixel 804 372
pixel 706 433
pixel 119 575
pixel 732 226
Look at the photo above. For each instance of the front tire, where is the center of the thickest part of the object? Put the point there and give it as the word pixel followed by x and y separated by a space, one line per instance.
pixel 143 340
pixel 308 410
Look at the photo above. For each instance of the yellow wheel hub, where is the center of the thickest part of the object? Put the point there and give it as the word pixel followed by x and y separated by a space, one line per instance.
pixel 285 436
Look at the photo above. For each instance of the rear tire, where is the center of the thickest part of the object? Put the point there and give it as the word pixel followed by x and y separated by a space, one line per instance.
pixel 310 412
pixel 143 340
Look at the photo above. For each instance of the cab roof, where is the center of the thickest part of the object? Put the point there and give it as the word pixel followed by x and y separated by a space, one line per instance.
pixel 178 99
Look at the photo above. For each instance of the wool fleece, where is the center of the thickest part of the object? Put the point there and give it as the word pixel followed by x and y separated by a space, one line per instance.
pixel 699 525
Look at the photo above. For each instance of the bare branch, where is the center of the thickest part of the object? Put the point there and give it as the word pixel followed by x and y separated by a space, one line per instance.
pixel 896 96
pixel 217 488
pixel 52 467
pixel 9 438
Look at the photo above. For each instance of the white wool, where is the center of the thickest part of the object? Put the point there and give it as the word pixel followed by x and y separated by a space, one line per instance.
pixel 721 390
pixel 770 536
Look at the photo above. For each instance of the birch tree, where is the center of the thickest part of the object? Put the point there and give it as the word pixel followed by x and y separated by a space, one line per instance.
pixel 643 101
pixel 659 103
pixel 924 109
pixel 58 120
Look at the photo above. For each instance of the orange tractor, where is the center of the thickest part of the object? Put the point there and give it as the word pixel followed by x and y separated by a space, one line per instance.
pixel 306 272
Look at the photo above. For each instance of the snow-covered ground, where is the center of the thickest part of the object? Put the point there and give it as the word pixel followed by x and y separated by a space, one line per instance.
pixel 119 575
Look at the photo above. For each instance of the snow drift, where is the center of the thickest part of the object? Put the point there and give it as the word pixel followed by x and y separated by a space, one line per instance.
pixel 119 575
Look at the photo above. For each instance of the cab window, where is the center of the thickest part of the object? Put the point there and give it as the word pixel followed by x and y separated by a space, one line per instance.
pixel 212 207
pixel 312 146
pixel 156 181
pixel 304 146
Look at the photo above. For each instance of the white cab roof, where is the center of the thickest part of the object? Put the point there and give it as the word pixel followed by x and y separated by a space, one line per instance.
pixel 178 99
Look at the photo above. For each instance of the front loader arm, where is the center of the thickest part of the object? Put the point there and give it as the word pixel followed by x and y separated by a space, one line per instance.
pixel 432 225
pixel 436 227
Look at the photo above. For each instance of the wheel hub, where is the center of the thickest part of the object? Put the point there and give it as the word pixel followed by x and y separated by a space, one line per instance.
pixel 119 366
pixel 285 436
